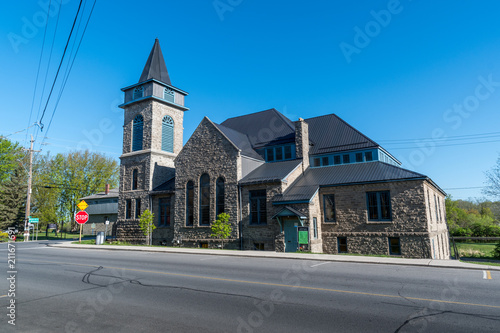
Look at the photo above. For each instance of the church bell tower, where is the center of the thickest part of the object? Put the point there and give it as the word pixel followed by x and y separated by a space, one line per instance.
pixel 152 138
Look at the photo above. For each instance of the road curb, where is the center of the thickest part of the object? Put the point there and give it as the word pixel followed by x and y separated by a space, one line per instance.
pixel 272 255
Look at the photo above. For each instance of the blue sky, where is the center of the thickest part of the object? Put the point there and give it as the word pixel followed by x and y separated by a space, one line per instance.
pixel 421 78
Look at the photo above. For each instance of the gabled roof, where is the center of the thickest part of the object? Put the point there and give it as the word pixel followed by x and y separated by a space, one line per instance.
pixel 155 66
pixel 168 186
pixel 289 211
pixel 240 140
pixel 329 133
pixel 263 128
pixel 113 193
pixel 308 184
pixel 271 172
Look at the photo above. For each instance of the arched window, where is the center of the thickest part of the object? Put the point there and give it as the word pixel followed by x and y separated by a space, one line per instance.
pixel 204 199
pixel 137 132
pixel 219 195
pixel 168 95
pixel 138 92
pixel 134 179
pixel 189 203
pixel 167 134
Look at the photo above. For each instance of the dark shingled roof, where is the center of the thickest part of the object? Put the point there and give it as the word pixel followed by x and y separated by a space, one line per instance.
pixel 240 140
pixel 329 134
pixel 155 66
pixel 263 128
pixel 168 186
pixel 372 172
pixel 113 193
pixel 270 172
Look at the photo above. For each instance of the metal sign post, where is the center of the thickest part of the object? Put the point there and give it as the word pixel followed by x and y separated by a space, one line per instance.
pixel 106 230
pixel 81 218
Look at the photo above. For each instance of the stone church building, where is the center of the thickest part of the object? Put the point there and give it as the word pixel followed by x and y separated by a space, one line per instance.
pixel 272 175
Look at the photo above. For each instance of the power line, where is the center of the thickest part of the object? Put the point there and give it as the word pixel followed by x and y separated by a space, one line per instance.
pixel 48 66
pixel 60 64
pixel 449 138
pixel 70 67
pixel 39 66
pixel 456 144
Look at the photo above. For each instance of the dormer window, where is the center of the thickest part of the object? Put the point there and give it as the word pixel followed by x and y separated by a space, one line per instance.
pixel 168 95
pixel 138 92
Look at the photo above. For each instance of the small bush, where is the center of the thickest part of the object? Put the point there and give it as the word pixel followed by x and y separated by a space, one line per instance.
pixel 4 236
pixel 496 251
pixel 471 253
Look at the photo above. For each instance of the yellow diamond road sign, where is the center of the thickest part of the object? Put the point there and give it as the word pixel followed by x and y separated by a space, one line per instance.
pixel 82 205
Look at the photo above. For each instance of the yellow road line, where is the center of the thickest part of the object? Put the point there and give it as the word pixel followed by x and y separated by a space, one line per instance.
pixel 488 275
pixel 273 284
pixel 3 296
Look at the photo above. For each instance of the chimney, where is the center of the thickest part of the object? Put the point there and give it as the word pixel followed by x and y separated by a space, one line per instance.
pixel 302 142
pixel 107 189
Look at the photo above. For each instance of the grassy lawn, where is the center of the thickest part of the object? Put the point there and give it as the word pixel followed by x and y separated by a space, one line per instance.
pixel 475 250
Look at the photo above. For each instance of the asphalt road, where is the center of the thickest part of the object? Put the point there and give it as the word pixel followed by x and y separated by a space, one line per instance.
pixel 75 290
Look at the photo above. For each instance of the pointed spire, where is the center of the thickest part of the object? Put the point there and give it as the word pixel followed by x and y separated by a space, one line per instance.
pixel 155 66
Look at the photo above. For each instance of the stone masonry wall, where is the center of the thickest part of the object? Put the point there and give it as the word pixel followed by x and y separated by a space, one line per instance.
pixel 408 222
pixel 260 233
pixel 207 151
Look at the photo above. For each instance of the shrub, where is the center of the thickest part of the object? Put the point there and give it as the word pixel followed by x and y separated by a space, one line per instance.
pixel 461 232
pixel 4 236
pixel 496 251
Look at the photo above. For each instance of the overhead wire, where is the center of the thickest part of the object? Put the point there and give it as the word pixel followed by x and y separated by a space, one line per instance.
pixel 60 64
pixel 38 70
pixel 48 67
pixel 70 66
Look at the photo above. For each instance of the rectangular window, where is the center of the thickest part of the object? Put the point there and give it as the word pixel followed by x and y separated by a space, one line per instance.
pixel 137 208
pixel 359 157
pixel 315 228
pixel 270 154
pixel 128 208
pixel 394 246
pixel 316 162
pixel 329 208
pixel 346 159
pixel 204 245
pixel 324 161
pixel 164 214
pixel 342 244
pixel 258 246
pixel 258 209
pixel 368 156
pixel 436 207
pixel 336 159
pixel 288 152
pixel 379 206
pixel 279 153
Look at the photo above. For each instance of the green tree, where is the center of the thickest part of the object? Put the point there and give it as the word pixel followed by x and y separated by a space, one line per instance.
pixel 64 179
pixel 13 199
pixel 10 156
pixel 221 228
pixel 147 225
pixel 493 180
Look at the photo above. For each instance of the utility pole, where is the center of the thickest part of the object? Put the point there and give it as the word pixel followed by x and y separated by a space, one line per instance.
pixel 28 200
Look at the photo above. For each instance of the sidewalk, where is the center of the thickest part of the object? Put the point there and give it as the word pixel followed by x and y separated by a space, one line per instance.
pixel 301 256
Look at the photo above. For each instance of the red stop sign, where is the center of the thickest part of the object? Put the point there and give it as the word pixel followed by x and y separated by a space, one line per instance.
pixel 81 217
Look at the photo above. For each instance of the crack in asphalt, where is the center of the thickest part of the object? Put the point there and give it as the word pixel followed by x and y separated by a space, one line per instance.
pixel 407 321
